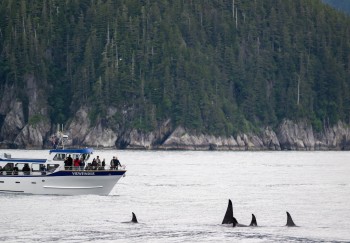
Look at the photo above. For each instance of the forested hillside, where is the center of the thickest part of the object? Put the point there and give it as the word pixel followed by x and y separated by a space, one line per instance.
pixel 218 67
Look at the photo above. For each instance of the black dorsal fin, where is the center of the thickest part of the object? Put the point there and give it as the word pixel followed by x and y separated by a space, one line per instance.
pixel 134 219
pixel 290 222
pixel 253 222
pixel 228 219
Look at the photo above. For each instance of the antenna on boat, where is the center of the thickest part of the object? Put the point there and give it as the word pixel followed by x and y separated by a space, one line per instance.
pixel 62 137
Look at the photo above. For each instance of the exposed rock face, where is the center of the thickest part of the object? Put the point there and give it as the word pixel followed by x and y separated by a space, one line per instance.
pixel 11 118
pixel 100 136
pixel 336 138
pixel 79 127
pixel 14 130
pixel 33 136
pixel 7 100
pixel 82 133
pixel 270 139
pixel 103 133
pixel 294 136
pixel 135 139
pixel 13 123
pixel 181 139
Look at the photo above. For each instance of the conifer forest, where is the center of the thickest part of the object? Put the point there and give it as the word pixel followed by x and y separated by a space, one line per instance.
pixel 213 66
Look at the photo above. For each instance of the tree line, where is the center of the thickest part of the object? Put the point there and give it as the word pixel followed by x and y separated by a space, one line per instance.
pixel 218 67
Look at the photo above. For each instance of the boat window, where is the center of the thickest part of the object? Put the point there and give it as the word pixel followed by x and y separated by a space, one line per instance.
pixel 8 167
pixel 85 157
pixel 35 167
pixel 52 167
pixel 59 157
pixel 20 166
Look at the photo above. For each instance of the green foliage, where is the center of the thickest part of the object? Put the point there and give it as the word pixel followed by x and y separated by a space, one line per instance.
pixel 207 68
pixel 36 119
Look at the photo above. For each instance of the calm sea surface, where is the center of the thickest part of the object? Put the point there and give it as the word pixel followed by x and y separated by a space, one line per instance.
pixel 183 196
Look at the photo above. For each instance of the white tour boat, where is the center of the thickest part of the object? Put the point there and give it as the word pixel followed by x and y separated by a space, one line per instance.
pixel 52 176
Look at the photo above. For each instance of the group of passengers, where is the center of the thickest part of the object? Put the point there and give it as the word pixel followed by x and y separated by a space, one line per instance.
pixel 96 164
pixel 77 164
pixel 13 170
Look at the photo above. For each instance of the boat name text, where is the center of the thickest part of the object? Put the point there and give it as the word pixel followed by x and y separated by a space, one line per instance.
pixel 83 173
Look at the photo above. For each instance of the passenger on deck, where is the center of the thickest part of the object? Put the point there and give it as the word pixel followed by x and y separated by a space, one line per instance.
pixel 43 169
pixel 94 164
pixel 112 163
pixel 76 163
pixel 82 163
pixel 103 164
pixel 115 163
pixel 98 161
pixel 15 170
pixel 88 167
pixel 70 161
pixel 26 169
pixel 8 168
pixel 66 167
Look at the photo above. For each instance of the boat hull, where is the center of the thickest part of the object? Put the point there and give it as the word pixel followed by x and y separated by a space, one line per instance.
pixel 62 183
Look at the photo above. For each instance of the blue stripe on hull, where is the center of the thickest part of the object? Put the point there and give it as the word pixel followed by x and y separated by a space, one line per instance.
pixel 74 173
pixel 88 173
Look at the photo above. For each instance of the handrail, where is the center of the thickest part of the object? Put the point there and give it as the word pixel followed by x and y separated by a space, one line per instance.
pixel 94 168
pixel 60 168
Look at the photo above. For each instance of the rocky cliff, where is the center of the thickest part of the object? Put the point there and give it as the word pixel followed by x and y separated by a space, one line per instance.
pixel 289 135
pixel 24 126
pixel 35 130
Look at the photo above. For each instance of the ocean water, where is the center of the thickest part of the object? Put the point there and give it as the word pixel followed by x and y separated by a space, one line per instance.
pixel 182 196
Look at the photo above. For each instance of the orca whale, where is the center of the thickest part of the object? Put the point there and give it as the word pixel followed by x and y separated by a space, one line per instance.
pixel 253 223
pixel 134 219
pixel 290 222
pixel 229 219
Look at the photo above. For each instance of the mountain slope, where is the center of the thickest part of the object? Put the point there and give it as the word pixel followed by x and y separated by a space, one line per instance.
pixel 209 66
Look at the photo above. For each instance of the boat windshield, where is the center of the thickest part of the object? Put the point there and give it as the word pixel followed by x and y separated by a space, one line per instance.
pixel 59 157
pixel 62 156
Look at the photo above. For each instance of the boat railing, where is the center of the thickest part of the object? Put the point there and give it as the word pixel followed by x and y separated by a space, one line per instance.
pixel 60 168
pixel 91 168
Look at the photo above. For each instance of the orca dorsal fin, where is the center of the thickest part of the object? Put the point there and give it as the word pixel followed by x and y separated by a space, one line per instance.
pixel 253 223
pixel 228 218
pixel 134 219
pixel 290 222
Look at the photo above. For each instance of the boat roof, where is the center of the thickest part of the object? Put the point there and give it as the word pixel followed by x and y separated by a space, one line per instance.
pixel 72 151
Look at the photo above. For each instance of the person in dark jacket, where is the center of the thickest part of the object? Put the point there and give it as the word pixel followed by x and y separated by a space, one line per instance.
pixel 15 170
pixel 26 169
pixel 116 163
pixel 94 164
